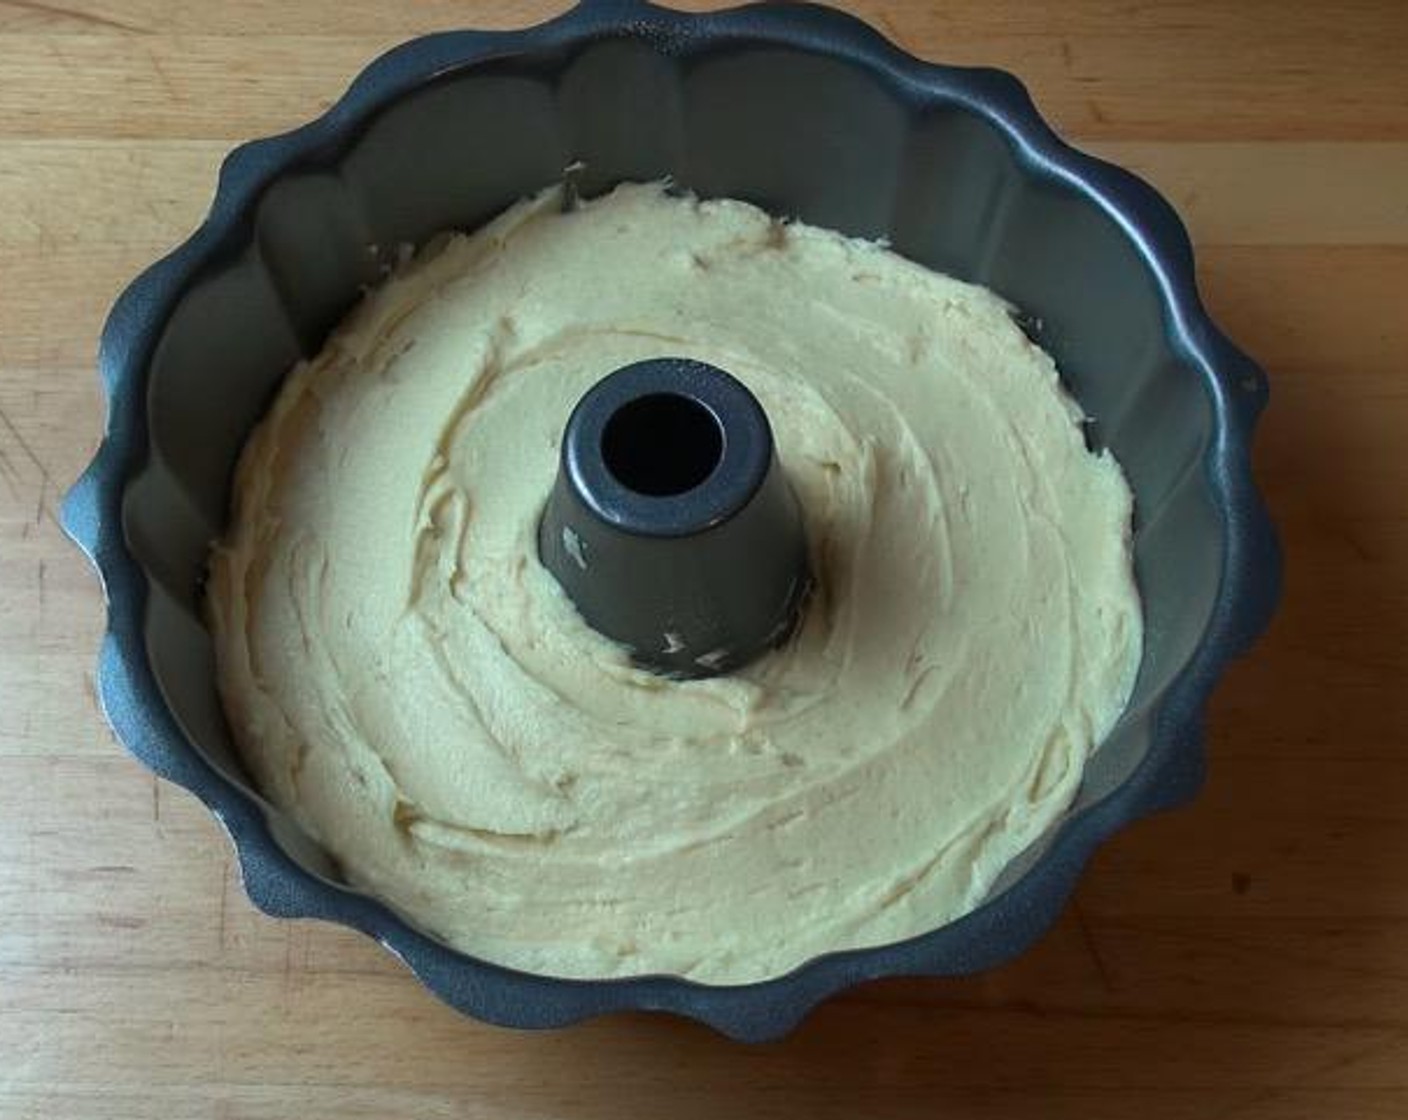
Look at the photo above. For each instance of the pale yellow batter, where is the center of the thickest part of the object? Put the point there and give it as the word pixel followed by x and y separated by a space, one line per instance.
pixel 410 684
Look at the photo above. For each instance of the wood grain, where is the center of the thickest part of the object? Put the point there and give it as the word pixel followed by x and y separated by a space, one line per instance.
pixel 1246 957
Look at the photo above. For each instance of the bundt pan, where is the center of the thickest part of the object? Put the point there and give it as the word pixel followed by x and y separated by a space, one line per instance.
pixel 810 114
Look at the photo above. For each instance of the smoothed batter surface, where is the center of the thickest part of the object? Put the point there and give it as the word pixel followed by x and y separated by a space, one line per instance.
pixel 407 681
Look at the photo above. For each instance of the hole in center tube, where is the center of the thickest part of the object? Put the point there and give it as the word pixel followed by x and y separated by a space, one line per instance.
pixel 662 444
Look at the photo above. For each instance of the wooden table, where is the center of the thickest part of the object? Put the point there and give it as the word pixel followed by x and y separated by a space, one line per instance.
pixel 1247 957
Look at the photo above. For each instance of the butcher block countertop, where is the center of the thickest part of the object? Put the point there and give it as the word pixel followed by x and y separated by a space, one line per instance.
pixel 1243 957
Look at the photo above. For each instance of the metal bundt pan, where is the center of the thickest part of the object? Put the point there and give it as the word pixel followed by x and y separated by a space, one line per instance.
pixel 810 114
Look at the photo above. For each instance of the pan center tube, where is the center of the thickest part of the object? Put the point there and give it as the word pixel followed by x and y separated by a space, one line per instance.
pixel 671 524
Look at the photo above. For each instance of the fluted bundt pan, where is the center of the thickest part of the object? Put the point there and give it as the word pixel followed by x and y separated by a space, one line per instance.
pixel 811 115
